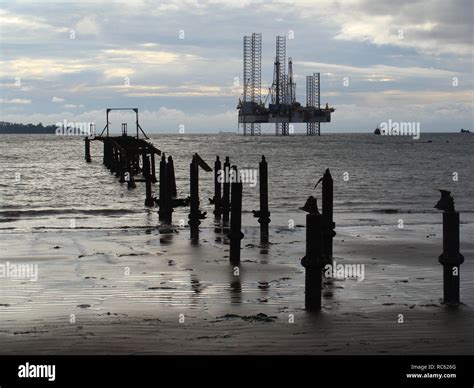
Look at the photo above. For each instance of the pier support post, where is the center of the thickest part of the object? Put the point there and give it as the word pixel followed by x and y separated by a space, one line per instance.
pixel 194 220
pixel 451 258
pixel 313 262
pixel 235 234
pixel 217 200
pixel 146 173
pixel 327 209
pixel 226 192
pixel 163 188
pixel 263 214
pixel 87 149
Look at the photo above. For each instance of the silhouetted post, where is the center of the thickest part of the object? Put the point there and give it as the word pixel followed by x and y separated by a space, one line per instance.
pixel 217 200
pixel 451 258
pixel 153 167
pixel 87 149
pixel 163 188
pixel 235 234
pixel 166 207
pixel 226 191
pixel 313 261
pixel 194 221
pixel 263 214
pixel 327 208
pixel 146 173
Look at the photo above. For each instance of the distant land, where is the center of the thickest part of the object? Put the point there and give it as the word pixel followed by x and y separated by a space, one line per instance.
pixel 6 127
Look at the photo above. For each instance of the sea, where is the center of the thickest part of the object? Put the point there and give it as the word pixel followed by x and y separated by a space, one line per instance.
pixel 45 183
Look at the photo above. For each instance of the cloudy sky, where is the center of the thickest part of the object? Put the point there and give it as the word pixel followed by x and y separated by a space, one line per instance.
pixel 404 60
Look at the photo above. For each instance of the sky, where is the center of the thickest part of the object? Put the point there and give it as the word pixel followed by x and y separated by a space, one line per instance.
pixel 180 61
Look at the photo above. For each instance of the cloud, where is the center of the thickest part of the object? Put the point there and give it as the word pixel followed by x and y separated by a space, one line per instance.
pixel 88 25
pixel 57 99
pixel 20 101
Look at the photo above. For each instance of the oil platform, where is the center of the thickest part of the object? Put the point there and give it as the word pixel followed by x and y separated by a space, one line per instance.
pixel 283 108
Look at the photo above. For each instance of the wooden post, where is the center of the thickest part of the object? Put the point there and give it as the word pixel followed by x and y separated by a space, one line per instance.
pixel 312 262
pixel 226 191
pixel 217 200
pixel 146 172
pixel 194 200
pixel 163 188
pixel 327 209
pixel 451 259
pixel 236 234
pixel 263 214
pixel 87 149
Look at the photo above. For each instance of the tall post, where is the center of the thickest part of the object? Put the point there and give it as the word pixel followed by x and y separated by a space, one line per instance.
pixel 217 189
pixel 263 214
pixel 327 209
pixel 313 262
pixel 226 191
pixel 194 200
pixel 170 192
pixel 163 188
pixel 87 149
pixel 235 234
pixel 146 172
pixel 451 258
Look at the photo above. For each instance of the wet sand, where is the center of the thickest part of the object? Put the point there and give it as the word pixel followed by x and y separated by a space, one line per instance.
pixel 138 292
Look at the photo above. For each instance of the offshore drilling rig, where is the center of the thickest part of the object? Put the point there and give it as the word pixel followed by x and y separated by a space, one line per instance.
pixel 283 108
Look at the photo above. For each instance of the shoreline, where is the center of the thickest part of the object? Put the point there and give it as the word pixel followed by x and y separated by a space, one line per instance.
pixel 139 313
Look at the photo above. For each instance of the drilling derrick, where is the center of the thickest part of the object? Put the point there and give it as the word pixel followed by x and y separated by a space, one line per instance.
pixel 252 81
pixel 279 76
pixel 313 101
pixel 291 85
pixel 283 108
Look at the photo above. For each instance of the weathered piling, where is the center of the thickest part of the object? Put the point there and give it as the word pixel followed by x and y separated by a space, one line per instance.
pixel 226 192
pixel 451 258
pixel 194 220
pixel 87 149
pixel 327 212
pixel 163 188
pixel 263 214
pixel 235 233
pixel 146 173
pixel 217 200
pixel 313 260
pixel 195 215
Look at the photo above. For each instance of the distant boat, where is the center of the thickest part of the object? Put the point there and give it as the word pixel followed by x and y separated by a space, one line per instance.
pixel 465 130
pixel 377 131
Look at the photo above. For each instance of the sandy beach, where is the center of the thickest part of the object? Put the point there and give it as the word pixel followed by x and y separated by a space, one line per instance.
pixel 136 291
